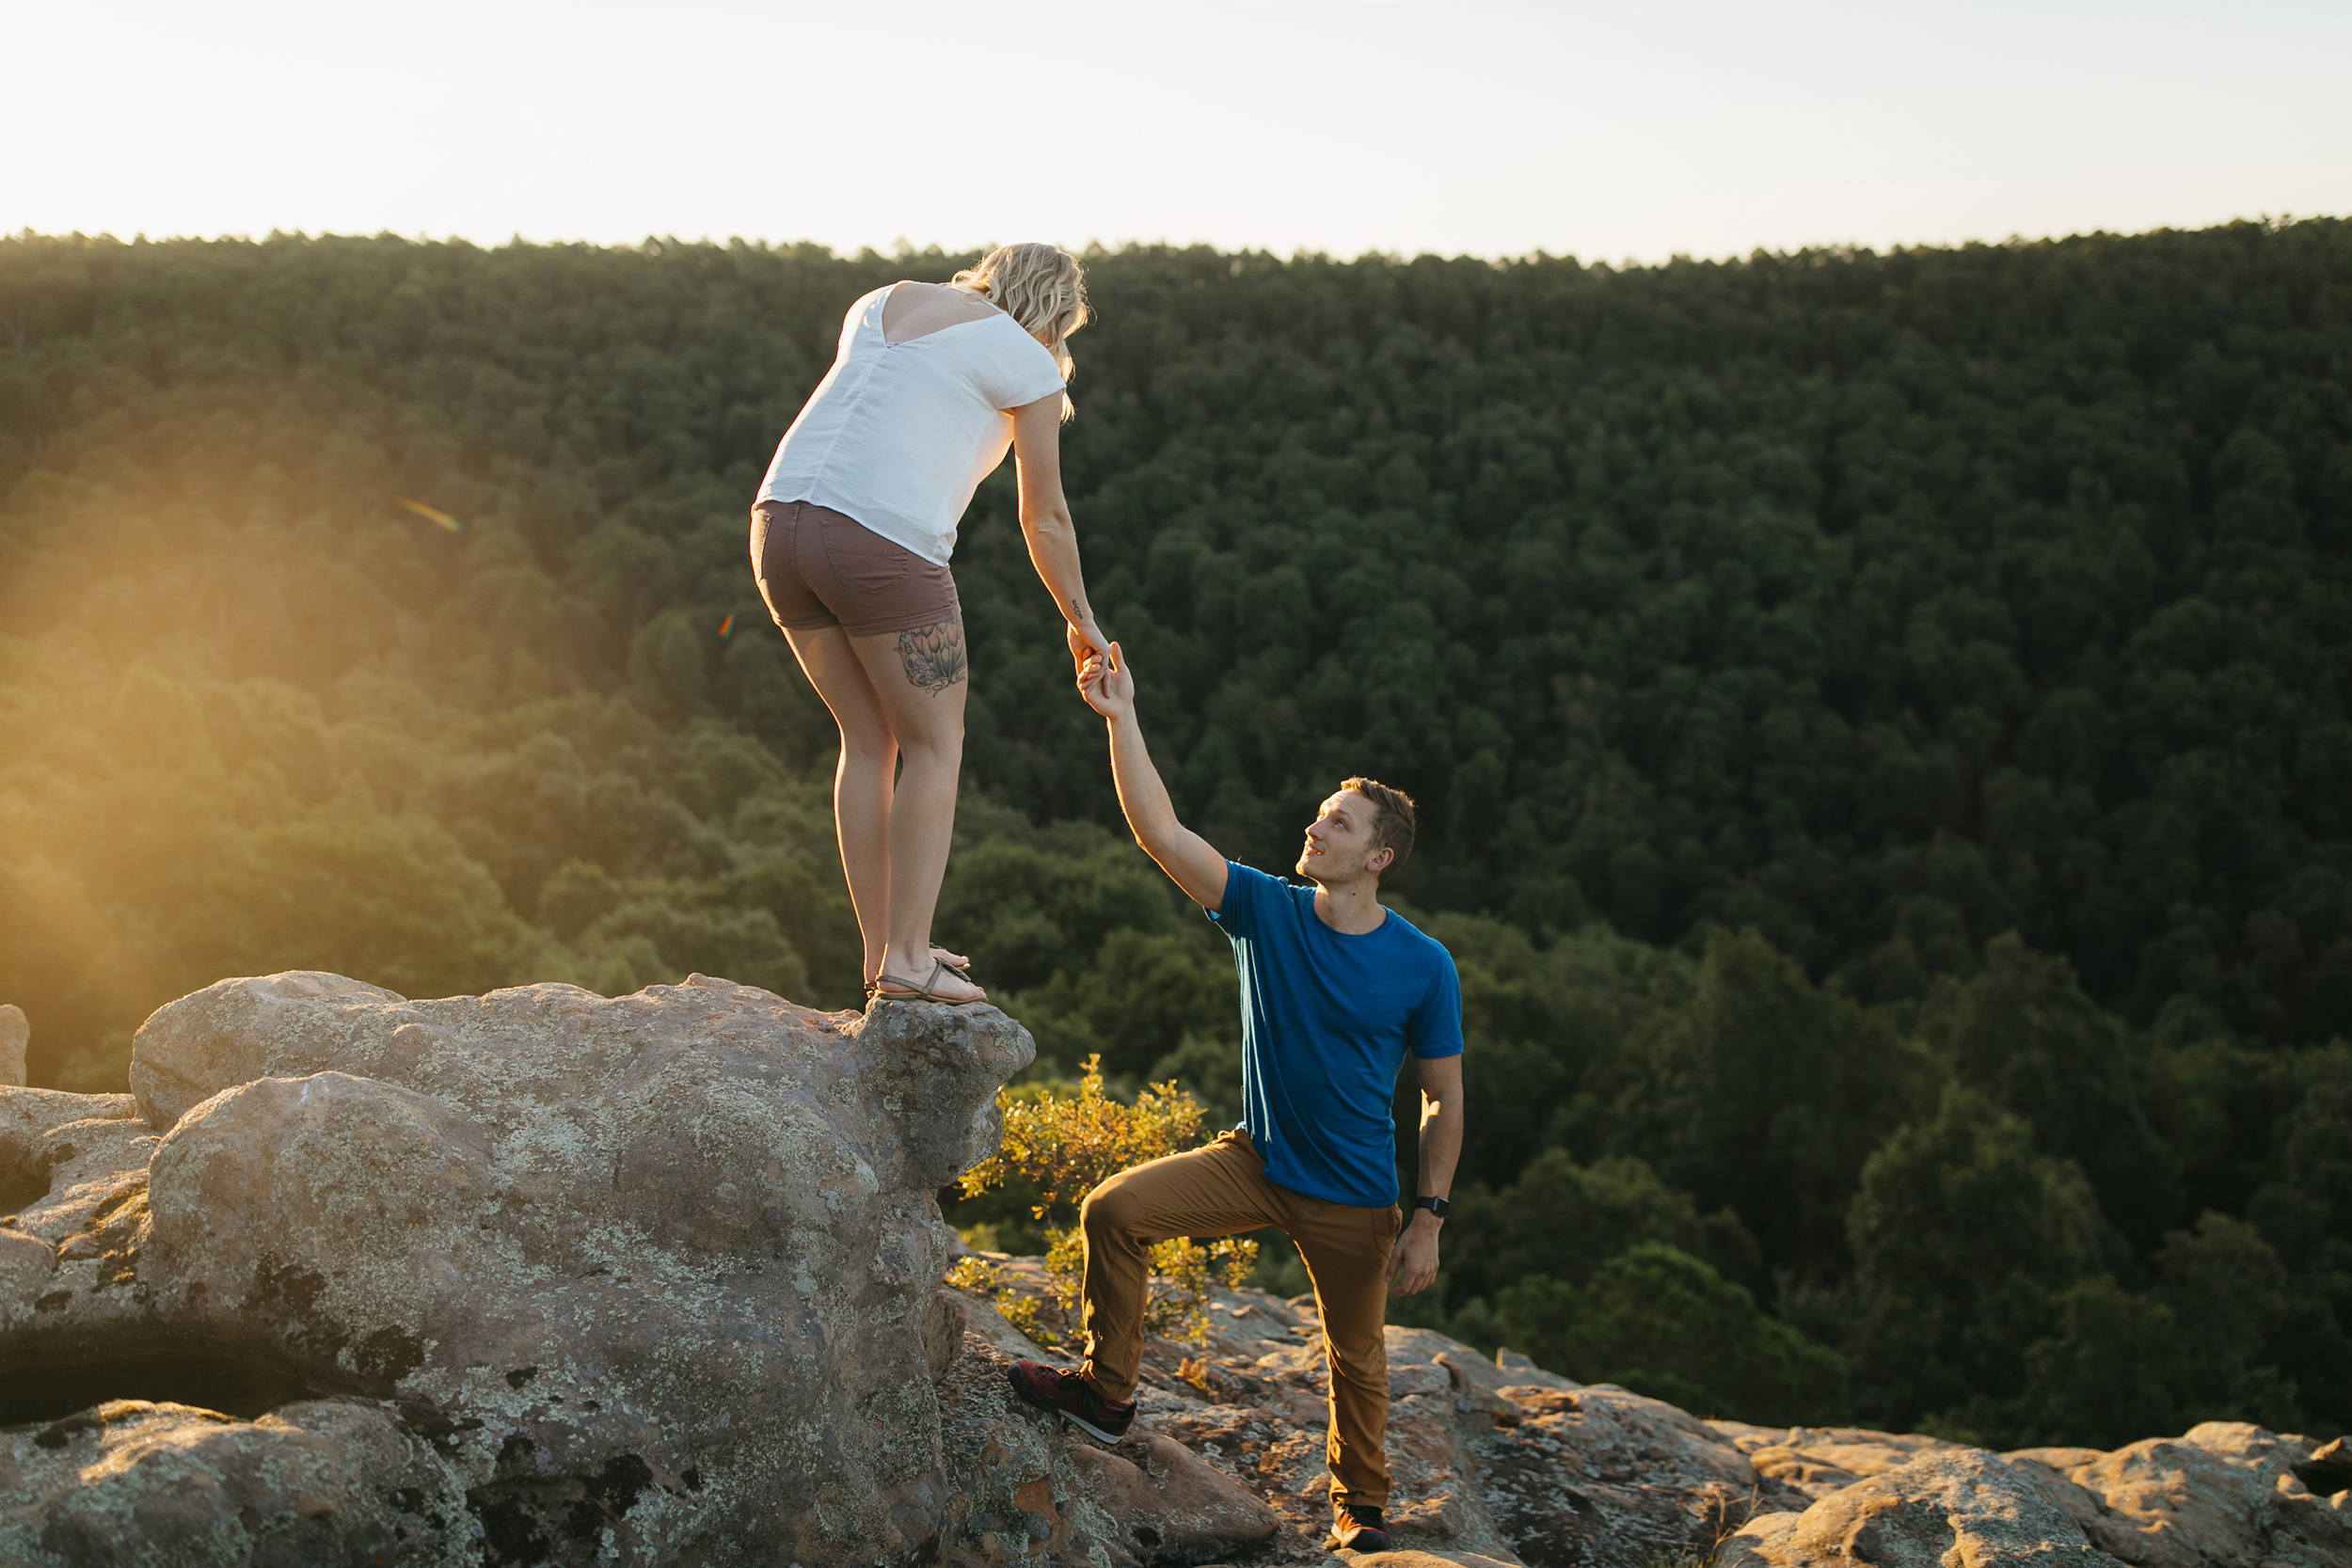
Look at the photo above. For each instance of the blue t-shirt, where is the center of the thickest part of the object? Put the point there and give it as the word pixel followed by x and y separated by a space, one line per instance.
pixel 1326 1021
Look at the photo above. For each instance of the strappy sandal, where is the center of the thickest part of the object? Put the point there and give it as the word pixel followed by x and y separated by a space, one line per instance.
pixel 939 955
pixel 895 987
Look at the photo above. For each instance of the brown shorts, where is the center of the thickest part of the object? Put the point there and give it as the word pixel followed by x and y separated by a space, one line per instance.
pixel 819 568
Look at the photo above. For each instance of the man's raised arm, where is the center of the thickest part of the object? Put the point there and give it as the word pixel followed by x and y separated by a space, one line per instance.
pixel 1185 855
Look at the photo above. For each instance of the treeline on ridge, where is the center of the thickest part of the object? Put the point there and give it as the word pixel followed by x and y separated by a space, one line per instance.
pixel 1878 721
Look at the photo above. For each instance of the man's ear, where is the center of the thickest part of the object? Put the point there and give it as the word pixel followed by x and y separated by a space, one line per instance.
pixel 1379 859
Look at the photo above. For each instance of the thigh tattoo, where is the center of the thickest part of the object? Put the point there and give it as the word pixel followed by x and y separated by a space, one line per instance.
pixel 933 655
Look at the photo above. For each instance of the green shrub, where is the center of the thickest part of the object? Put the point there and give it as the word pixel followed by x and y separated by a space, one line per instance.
pixel 1060 1146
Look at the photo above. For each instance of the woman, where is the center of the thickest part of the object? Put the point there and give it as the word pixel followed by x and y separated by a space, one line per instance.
pixel 850 537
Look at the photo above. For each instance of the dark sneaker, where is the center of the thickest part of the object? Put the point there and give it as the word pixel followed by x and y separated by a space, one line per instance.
pixel 1067 1395
pixel 1355 1528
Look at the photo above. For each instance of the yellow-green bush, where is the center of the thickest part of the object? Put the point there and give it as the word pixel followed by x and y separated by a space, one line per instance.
pixel 1062 1146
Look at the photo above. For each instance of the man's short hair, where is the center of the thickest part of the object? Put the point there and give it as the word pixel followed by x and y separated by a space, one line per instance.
pixel 1391 820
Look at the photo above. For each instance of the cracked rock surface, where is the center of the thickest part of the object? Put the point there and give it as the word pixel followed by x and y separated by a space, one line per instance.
pixel 542 1277
pixel 2225 1495
pixel 536 1277
pixel 1493 1465
pixel 1499 1463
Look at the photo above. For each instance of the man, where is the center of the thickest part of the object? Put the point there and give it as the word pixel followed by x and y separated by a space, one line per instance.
pixel 1335 990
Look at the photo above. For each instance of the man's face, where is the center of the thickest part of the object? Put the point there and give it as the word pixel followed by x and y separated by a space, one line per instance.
pixel 1338 846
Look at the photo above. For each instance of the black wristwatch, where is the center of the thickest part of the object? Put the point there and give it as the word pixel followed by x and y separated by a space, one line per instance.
pixel 1437 1206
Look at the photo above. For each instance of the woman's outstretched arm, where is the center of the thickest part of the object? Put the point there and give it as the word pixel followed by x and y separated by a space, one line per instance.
pixel 1046 521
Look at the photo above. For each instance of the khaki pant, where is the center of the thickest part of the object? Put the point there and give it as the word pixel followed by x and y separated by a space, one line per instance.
pixel 1216 1191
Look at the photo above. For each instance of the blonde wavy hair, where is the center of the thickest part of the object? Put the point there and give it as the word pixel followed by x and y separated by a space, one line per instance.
pixel 1041 287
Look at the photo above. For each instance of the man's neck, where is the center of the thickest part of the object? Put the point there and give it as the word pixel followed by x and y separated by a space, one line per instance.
pixel 1351 908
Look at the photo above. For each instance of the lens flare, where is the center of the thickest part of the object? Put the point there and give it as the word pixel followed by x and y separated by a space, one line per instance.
pixel 430 514
pixel 728 624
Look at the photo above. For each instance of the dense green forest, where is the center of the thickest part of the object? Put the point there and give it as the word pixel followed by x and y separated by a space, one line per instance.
pixel 1879 721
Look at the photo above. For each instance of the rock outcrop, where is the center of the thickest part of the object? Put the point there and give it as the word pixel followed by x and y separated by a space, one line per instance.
pixel 2224 1495
pixel 540 1277
pixel 1818 1460
pixel 1500 1462
pixel 564 1279
pixel 132 1481
pixel 1493 1463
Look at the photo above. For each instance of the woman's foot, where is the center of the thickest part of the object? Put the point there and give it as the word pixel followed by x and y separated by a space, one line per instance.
pixel 936 982
pixel 956 961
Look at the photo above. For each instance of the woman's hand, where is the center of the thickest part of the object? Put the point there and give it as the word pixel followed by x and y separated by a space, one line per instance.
pixel 1108 685
pixel 1087 641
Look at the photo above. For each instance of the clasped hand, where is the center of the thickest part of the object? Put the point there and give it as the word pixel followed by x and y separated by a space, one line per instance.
pixel 1086 641
pixel 1107 683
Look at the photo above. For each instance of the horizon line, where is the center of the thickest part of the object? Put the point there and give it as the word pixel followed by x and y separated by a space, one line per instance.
pixel 901 248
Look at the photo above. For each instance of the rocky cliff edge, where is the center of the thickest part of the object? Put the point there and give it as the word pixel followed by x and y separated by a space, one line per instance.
pixel 530 1277
pixel 543 1277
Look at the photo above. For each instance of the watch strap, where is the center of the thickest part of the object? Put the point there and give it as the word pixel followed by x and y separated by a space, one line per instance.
pixel 1437 1206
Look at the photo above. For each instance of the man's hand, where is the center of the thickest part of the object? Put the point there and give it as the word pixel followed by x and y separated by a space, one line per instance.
pixel 1110 688
pixel 1413 1261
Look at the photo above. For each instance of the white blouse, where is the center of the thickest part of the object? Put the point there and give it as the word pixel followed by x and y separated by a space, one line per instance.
pixel 899 436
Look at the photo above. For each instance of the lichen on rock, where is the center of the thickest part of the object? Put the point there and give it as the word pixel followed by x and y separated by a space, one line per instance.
pixel 652 1278
pixel 2223 1492
pixel 546 1277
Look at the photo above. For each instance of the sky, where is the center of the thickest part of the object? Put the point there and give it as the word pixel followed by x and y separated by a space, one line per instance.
pixel 1626 132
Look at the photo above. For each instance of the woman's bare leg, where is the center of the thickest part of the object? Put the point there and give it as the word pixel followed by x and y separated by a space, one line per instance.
pixel 860 780
pixel 918 678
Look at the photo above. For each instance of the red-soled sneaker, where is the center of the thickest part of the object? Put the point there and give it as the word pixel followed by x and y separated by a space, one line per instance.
pixel 1067 1395
pixel 1355 1528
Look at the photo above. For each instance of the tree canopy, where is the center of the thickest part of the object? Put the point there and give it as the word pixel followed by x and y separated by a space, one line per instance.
pixel 1878 721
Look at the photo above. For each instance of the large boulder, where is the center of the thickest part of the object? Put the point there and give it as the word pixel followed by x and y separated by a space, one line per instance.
pixel 649 1279
pixel 539 1278
pixel 132 1482
pixel 2224 1495
pixel 1950 1505
pixel 1599 1475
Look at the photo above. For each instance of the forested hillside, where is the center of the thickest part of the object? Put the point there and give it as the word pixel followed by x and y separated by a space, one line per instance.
pixel 1879 723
